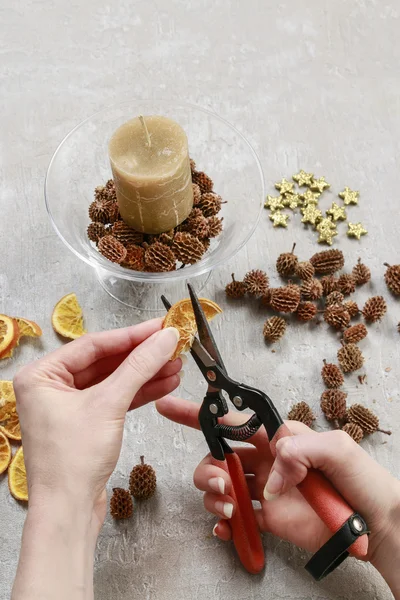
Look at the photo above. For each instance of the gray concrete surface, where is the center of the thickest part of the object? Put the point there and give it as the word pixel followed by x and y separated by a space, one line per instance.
pixel 314 85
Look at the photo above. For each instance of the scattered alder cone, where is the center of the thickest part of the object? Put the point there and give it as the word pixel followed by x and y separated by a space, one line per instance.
pixel 266 298
pixel 274 329
pixel 392 278
pixel 286 299
pixel 121 504
pixel 365 418
pixel 306 311
pixel 256 282
pixel 355 334
pixel 134 258
pixel 352 308
pixel 95 231
pixel 142 480
pixel 305 270
pixel 125 234
pixel 329 284
pixel 350 358
pixel 334 298
pixel 332 375
pixel 361 273
pixel 311 289
pixel 328 261
pixel 187 248
pixel 159 258
pixel 333 404
pixel 354 431
pixel 374 309
pixel 286 263
pixel 303 413
pixel 235 289
pixel 337 316
pixel 347 284
pixel 204 182
pixel 112 249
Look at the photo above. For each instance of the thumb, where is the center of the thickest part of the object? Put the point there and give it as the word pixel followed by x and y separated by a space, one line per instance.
pixel 360 480
pixel 142 364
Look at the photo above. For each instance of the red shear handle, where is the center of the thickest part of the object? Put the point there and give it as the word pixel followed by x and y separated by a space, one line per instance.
pixel 325 500
pixel 245 532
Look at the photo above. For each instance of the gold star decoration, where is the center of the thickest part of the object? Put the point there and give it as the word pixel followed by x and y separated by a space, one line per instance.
pixel 292 201
pixel 349 196
pixel 356 230
pixel 279 219
pixel 318 185
pixel 303 178
pixel 311 214
pixel 327 231
pixel 310 197
pixel 284 186
pixel 274 203
pixel 338 213
pixel 325 223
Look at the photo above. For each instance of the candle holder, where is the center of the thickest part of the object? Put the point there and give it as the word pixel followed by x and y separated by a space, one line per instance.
pixel 81 163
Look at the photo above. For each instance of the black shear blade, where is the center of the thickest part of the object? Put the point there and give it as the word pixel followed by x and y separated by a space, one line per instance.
pixel 205 335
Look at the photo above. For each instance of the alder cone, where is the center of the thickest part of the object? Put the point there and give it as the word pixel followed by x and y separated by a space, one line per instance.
pixel 337 316
pixel 210 204
pixel 306 311
pixel 311 289
pixel 112 249
pixel 361 273
pixel 134 258
pixel 303 413
pixel 159 258
pixel 235 289
pixel 305 270
pixel 142 481
pixel 100 211
pixel 333 404
pixel 350 358
pixel 332 375
pixel 196 194
pixel 374 309
pixel 347 284
pixel 329 284
pixel 363 417
pixel 121 505
pixel 274 329
pixel 214 225
pixel 286 263
pixel 286 299
pixel 352 308
pixel 187 248
pixel 204 182
pixel 328 261
pixel 125 234
pixel 256 282
pixel 95 231
pixel 392 278
pixel 354 431
pixel 355 334
pixel 334 298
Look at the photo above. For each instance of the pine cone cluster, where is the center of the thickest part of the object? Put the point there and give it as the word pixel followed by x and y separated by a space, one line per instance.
pixel 303 413
pixel 274 329
pixel 187 243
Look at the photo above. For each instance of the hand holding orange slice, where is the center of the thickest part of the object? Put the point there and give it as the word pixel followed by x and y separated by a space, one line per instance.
pixel 181 316
pixel 17 476
pixel 67 317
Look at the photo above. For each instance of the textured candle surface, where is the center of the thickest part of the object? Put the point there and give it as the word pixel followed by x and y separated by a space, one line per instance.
pixel 153 181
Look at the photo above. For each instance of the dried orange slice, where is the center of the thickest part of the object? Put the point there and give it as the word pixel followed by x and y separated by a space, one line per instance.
pixel 9 333
pixel 5 453
pixel 11 427
pixel 9 421
pixel 17 476
pixel 67 317
pixel 181 316
pixel 28 328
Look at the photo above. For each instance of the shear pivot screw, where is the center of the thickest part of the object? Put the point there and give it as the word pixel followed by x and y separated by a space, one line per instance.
pixel 358 526
pixel 213 409
pixel 211 375
pixel 237 401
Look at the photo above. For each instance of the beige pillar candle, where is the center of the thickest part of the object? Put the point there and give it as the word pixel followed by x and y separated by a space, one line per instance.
pixel 150 163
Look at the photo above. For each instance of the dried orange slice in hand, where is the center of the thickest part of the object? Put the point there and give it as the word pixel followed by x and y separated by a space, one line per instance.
pixel 28 328
pixel 67 317
pixel 9 334
pixel 5 453
pixel 17 476
pixel 9 421
pixel 181 316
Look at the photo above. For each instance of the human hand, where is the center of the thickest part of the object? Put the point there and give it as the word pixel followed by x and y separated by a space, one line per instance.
pixel 72 405
pixel 364 484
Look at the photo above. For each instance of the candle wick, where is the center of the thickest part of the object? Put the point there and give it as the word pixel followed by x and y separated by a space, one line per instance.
pixel 143 122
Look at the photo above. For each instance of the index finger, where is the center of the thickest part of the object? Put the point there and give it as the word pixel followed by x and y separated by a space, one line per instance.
pixel 91 347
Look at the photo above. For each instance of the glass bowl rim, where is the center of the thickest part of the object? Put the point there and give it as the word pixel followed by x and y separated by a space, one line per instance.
pixel 194 270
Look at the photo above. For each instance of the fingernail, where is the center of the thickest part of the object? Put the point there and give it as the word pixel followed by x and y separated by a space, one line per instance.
pixel 167 340
pixel 224 508
pixel 181 374
pixel 217 484
pixel 273 486
pixel 184 360
pixel 215 530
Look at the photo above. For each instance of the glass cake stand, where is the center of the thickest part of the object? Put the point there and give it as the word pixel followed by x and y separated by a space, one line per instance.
pixel 81 163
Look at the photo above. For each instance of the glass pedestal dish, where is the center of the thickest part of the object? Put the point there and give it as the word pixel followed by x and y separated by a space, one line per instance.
pixel 81 163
